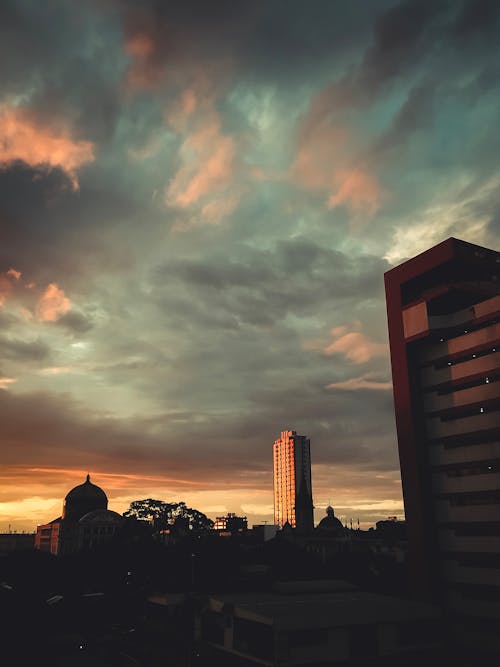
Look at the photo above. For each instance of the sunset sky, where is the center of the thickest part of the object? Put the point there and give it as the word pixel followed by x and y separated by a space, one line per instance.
pixel 198 202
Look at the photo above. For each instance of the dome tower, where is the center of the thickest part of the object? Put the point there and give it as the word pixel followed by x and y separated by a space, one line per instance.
pixel 83 499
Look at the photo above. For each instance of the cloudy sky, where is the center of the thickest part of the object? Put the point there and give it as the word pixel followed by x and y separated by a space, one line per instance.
pixel 198 201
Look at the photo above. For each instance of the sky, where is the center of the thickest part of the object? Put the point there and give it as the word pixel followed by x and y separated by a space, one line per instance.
pixel 198 202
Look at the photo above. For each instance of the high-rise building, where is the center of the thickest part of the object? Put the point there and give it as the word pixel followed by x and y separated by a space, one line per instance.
pixel 292 481
pixel 443 311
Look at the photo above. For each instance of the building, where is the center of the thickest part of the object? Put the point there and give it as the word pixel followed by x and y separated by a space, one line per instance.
pixel 231 524
pixel 316 623
pixel 443 311
pixel 85 522
pixel 292 481
pixel 14 541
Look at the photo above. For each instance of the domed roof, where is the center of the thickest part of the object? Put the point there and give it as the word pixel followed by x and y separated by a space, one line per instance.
pixel 101 516
pixel 82 499
pixel 86 490
pixel 330 523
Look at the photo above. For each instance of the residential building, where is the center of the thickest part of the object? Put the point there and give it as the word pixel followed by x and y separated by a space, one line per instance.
pixel 292 481
pixel 443 311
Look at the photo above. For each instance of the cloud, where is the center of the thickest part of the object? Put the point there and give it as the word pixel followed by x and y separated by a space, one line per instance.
pixel 15 274
pixel 205 185
pixel 53 304
pixel 326 161
pixel 5 382
pixel 7 278
pixel 463 211
pixel 358 190
pixel 24 350
pixel 365 382
pixel 151 46
pixel 26 139
pixel 75 321
pixel 354 346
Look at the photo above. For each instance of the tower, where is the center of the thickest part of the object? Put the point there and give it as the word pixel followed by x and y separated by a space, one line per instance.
pixel 443 310
pixel 292 481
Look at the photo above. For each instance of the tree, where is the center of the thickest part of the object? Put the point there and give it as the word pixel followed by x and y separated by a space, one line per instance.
pixel 164 514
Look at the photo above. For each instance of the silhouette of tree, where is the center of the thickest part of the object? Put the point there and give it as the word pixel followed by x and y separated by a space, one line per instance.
pixel 165 514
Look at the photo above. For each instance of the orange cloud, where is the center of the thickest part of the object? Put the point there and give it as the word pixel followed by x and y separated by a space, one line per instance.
pixel 367 381
pixel 52 304
pixel 25 139
pixel 354 346
pixel 357 189
pixel 150 47
pixel 5 382
pixel 15 274
pixel 328 160
pixel 205 182
pixel 6 283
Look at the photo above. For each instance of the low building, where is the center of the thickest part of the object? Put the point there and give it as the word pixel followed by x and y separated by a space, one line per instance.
pixel 318 626
pixel 231 524
pixel 16 542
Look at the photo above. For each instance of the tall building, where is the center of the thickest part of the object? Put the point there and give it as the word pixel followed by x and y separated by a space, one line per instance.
pixel 292 481
pixel 443 311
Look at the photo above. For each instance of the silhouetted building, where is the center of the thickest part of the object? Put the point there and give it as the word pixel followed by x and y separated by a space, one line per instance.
pixel 231 523
pixel 316 623
pixel 444 328
pixel 292 481
pixel 16 542
pixel 85 522
pixel 264 531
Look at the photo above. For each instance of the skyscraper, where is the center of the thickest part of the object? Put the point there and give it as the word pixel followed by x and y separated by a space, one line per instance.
pixel 443 311
pixel 292 481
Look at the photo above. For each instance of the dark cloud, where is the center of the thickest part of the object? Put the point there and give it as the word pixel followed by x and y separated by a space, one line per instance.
pixel 261 287
pixel 75 322
pixel 20 350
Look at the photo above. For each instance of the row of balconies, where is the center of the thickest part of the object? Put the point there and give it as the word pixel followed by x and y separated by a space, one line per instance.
pixel 455 572
pixel 449 541
pixel 465 605
pixel 485 421
pixel 441 455
pixel 487 391
pixel 446 512
pixel 441 483
pixel 484 366
pixel 480 338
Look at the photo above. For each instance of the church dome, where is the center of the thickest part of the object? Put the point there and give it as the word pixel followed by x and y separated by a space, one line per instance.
pixel 83 499
pixel 330 524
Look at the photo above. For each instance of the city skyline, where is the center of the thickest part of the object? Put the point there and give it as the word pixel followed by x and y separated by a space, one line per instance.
pixel 197 208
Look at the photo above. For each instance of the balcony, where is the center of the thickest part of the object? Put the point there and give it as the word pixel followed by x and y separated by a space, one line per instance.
pixel 483 392
pixel 455 572
pixel 439 455
pixel 487 365
pixel 448 541
pixel 465 605
pixel 481 338
pixel 441 483
pixel 486 421
pixel 446 512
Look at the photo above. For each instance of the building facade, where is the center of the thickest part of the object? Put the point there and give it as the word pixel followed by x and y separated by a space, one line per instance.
pixel 443 311
pixel 292 481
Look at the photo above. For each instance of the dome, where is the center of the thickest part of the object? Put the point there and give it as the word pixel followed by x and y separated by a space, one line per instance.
pixel 101 516
pixel 330 523
pixel 83 499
